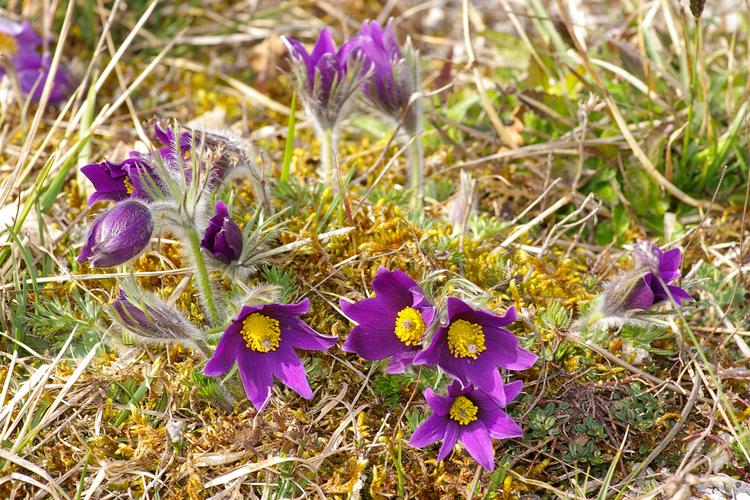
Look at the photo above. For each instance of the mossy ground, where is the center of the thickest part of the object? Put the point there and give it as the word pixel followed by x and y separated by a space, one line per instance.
pixel 129 420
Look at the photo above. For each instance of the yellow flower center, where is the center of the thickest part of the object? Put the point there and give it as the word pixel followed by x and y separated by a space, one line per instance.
pixel 261 333
pixel 463 410
pixel 465 339
pixel 128 185
pixel 7 44
pixel 409 326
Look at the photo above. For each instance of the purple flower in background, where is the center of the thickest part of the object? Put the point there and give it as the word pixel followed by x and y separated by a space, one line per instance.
pixel 321 77
pixel 151 318
pixel 119 181
pixel 470 415
pixel 663 267
pixel 394 75
pixel 391 324
pixel 169 152
pixel 19 44
pixel 118 235
pixel 262 341
pixel 223 237
pixel 474 344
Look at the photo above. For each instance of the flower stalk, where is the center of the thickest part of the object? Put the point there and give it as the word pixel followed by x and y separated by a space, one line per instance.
pixel 202 278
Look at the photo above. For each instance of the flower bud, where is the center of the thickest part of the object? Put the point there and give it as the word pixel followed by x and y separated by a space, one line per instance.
pixel 223 237
pixel 151 318
pixel 118 235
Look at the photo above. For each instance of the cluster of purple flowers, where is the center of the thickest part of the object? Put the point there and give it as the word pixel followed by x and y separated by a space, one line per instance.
pixel 142 184
pixel 19 48
pixel 373 60
pixel 470 346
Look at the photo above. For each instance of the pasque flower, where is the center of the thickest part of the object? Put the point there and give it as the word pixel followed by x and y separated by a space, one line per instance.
pixel 19 44
pixel 391 324
pixel 136 176
pixel 262 340
pixel 321 77
pixel 471 416
pixel 118 235
pixel 120 180
pixel 474 344
pixel 152 319
pixel 393 74
pixel 223 237
pixel 653 287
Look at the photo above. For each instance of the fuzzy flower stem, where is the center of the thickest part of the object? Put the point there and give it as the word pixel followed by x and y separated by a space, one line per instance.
pixel 328 161
pixel 415 156
pixel 202 278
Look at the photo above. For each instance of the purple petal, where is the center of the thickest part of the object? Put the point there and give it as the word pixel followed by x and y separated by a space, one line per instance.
pixel 476 439
pixel 372 344
pixel 430 431
pixel 299 334
pixel 374 314
pixel 394 287
pixel 512 390
pixel 449 438
pixel 257 377
pixel 118 235
pixel 669 264
pixel 401 359
pixel 230 344
pixel 641 297
pixel 500 425
pixel 430 356
pixel 440 405
pixel 323 46
pixel 290 371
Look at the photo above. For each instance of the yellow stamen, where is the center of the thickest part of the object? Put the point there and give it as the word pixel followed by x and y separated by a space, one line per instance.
pixel 463 410
pixel 7 44
pixel 261 333
pixel 409 326
pixel 465 339
pixel 128 185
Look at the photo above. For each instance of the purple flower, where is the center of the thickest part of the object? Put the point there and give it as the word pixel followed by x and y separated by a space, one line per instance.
pixel 119 181
pixel 393 77
pixel 321 77
pixel 152 319
pixel 223 237
pixel 168 153
pixel 19 43
pixel 392 324
pixel 118 235
pixel 262 341
pixel 473 344
pixel 663 267
pixel 470 415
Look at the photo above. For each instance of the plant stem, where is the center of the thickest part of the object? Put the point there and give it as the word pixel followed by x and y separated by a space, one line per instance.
pixel 327 159
pixel 201 277
pixel 415 155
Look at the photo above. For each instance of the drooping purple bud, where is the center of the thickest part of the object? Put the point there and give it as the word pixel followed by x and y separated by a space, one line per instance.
pixel 223 237
pixel 19 43
pixel 393 73
pixel 118 235
pixel 151 318
pixel 322 77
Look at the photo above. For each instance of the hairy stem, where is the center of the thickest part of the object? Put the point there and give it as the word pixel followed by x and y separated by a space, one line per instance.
pixel 202 279
pixel 415 156
pixel 327 159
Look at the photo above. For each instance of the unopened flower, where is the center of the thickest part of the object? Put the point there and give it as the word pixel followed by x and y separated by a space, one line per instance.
pixel 393 74
pixel 391 324
pixel 223 237
pixel 321 77
pixel 19 44
pixel 469 415
pixel 474 344
pixel 118 235
pixel 152 319
pixel 262 340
